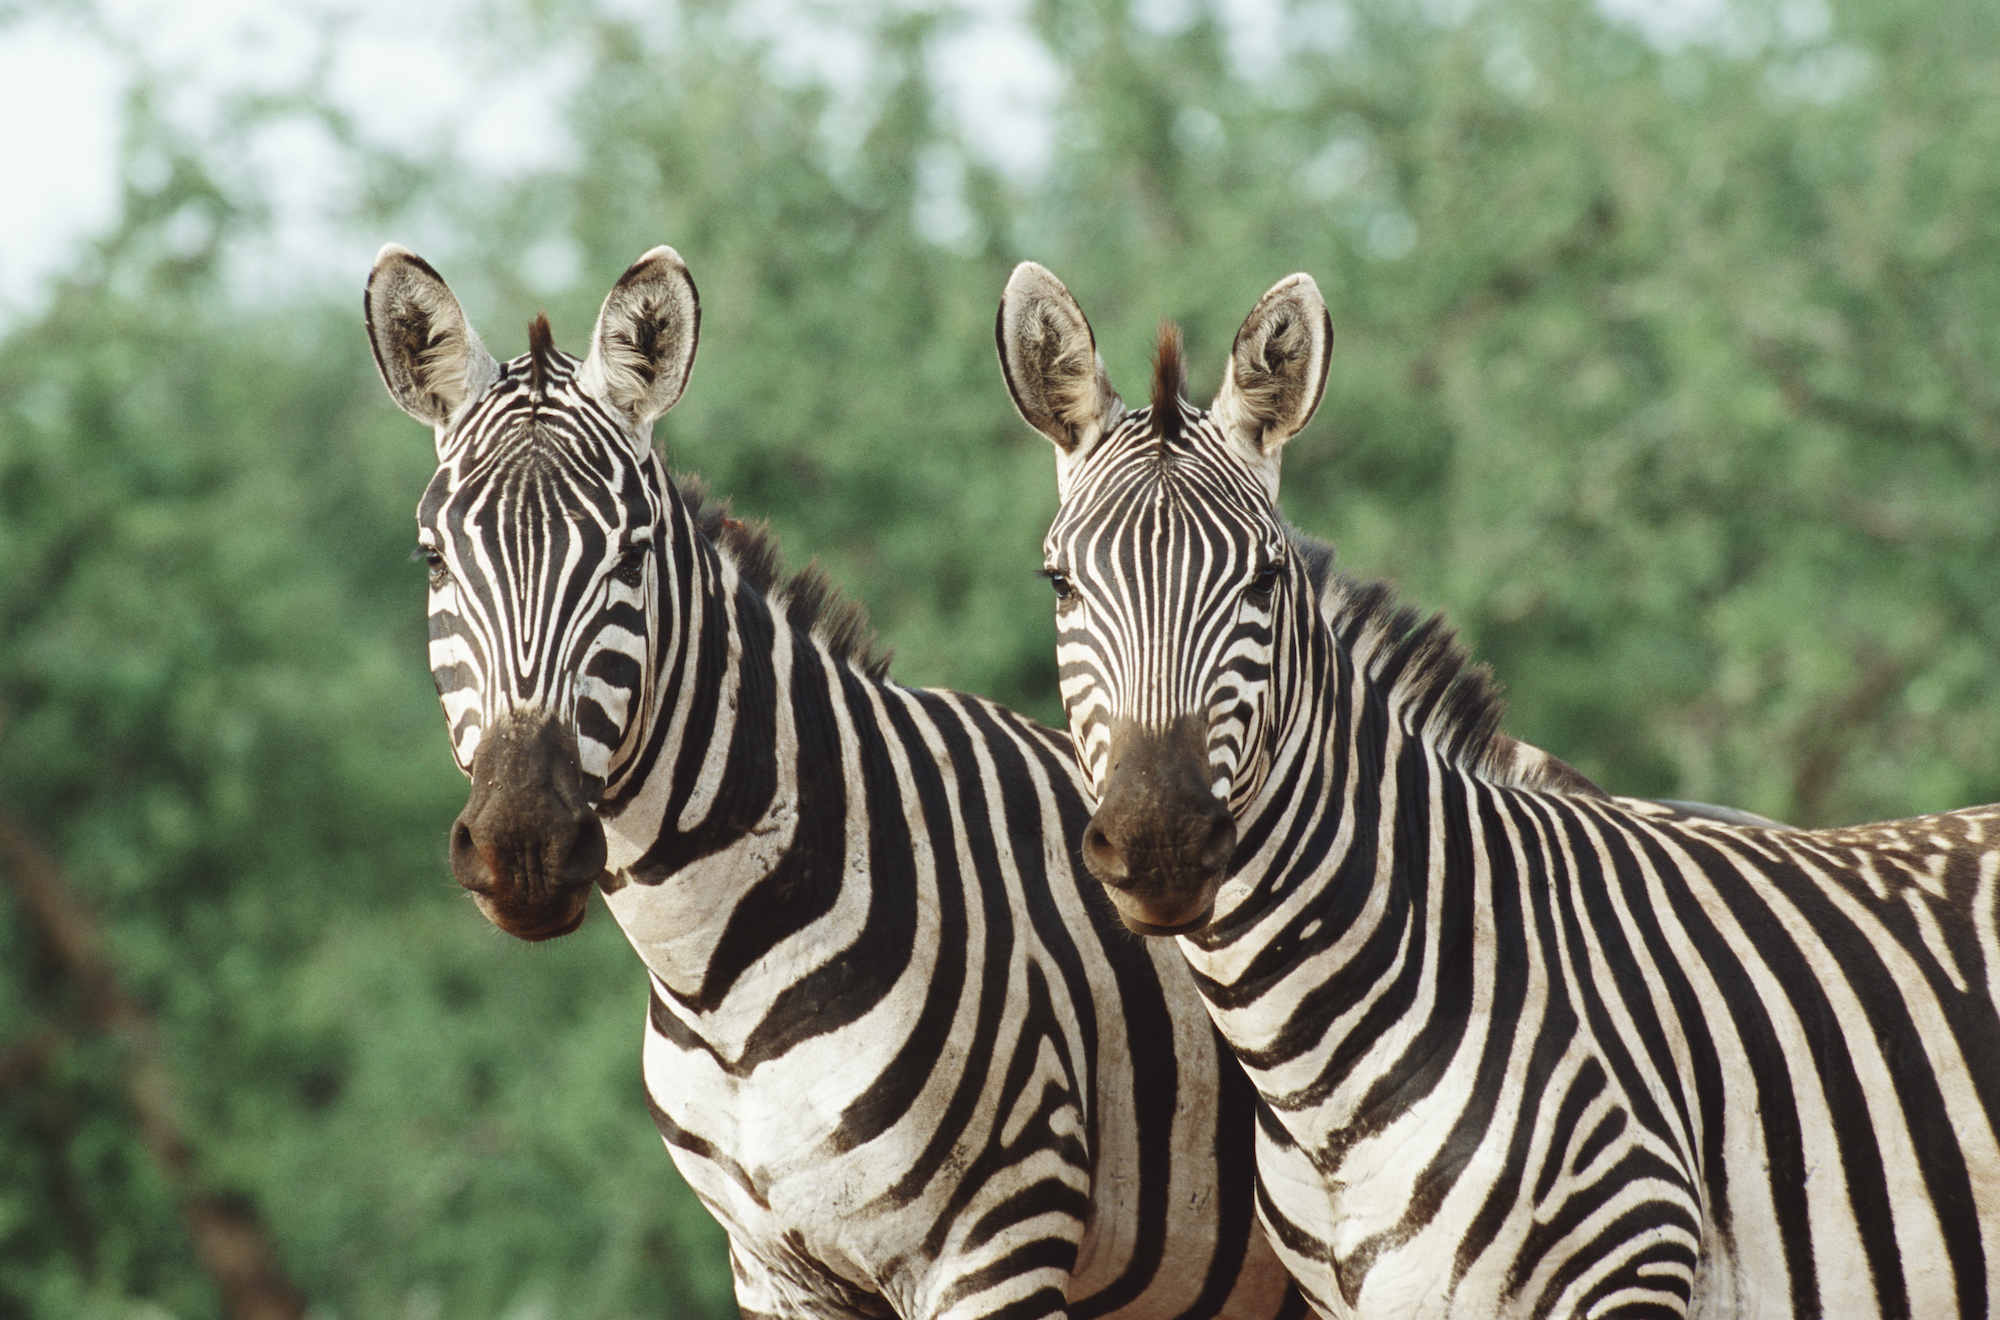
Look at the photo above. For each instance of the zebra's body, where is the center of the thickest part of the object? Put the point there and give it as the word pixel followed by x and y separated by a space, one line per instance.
pixel 1528 1051
pixel 896 1043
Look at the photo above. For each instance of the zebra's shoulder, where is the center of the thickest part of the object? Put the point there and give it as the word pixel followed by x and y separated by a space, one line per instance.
pixel 808 599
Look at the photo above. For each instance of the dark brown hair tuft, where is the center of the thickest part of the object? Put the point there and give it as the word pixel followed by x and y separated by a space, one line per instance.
pixel 1169 384
pixel 541 350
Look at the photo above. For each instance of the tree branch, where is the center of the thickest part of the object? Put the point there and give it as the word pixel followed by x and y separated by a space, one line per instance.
pixel 229 1235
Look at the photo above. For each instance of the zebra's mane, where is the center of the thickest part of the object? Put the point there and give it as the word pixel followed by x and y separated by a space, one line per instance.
pixel 1428 679
pixel 1169 385
pixel 807 599
pixel 541 351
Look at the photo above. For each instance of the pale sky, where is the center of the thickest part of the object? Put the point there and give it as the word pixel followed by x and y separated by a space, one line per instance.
pixel 408 75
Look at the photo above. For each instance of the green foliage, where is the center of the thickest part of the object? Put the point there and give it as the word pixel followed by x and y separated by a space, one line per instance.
pixel 217 713
pixel 1665 371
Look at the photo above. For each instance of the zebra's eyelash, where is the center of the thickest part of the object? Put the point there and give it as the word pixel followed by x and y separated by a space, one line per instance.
pixel 631 565
pixel 1065 587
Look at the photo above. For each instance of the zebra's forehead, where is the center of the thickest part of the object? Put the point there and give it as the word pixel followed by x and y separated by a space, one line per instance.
pixel 1137 482
pixel 555 448
pixel 540 469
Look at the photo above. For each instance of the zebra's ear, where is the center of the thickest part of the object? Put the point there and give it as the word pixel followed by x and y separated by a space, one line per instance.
pixel 1276 372
pixel 1050 360
pixel 643 347
pixel 425 349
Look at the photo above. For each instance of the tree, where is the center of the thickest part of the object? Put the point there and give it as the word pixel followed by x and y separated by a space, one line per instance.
pixel 1663 369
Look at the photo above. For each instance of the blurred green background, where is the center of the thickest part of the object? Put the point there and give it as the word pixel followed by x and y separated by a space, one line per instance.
pixel 1665 364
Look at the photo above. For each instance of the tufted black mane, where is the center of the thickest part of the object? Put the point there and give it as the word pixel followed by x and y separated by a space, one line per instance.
pixel 1427 677
pixel 807 599
pixel 1169 385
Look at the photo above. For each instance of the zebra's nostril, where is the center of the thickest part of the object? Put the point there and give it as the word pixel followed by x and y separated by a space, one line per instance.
pixel 584 859
pixel 1219 848
pixel 468 867
pixel 1105 859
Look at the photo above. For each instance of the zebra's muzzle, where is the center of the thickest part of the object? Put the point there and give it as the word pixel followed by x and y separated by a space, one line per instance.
pixel 1161 842
pixel 528 846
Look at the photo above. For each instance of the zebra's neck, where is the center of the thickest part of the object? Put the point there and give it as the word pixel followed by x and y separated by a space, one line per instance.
pixel 1314 826
pixel 1367 682
pixel 729 838
pixel 1352 861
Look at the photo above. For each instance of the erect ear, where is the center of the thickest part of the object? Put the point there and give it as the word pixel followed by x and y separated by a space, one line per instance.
pixel 1276 372
pixel 643 347
pixel 1050 360
pixel 425 349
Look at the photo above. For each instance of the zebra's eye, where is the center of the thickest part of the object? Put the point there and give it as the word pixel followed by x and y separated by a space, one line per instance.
pixel 1265 582
pixel 631 566
pixel 1060 581
pixel 433 559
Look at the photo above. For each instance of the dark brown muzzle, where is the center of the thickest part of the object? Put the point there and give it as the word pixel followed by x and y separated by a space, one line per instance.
pixel 528 845
pixel 1161 842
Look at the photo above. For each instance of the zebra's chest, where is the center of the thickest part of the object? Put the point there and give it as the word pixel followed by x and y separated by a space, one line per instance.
pixel 1439 1167
pixel 1402 1226
pixel 768 1151
pixel 1373 1227
pixel 832 1134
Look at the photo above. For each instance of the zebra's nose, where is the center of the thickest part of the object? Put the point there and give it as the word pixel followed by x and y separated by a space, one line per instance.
pixel 1218 848
pixel 569 853
pixel 1126 849
pixel 528 846
pixel 468 866
pixel 1160 840
pixel 1105 858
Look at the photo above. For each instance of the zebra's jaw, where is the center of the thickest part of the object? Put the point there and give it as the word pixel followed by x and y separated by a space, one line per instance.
pixel 528 846
pixel 1161 842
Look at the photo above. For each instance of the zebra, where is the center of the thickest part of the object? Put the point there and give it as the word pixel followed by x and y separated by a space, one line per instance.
pixel 897 1043
pixel 1524 1050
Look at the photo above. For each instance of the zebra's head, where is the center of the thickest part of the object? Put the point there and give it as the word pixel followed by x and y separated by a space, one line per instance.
pixel 1174 577
pixel 543 530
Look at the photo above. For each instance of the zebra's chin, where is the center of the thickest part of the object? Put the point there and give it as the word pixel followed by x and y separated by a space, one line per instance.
pixel 1159 892
pixel 531 924
pixel 1141 927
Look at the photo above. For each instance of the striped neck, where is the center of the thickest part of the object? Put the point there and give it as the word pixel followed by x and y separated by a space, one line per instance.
pixel 1315 812
pixel 1364 682
pixel 743 782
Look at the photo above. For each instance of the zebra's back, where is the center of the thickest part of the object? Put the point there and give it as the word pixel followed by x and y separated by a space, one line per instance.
pixel 1778 1051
